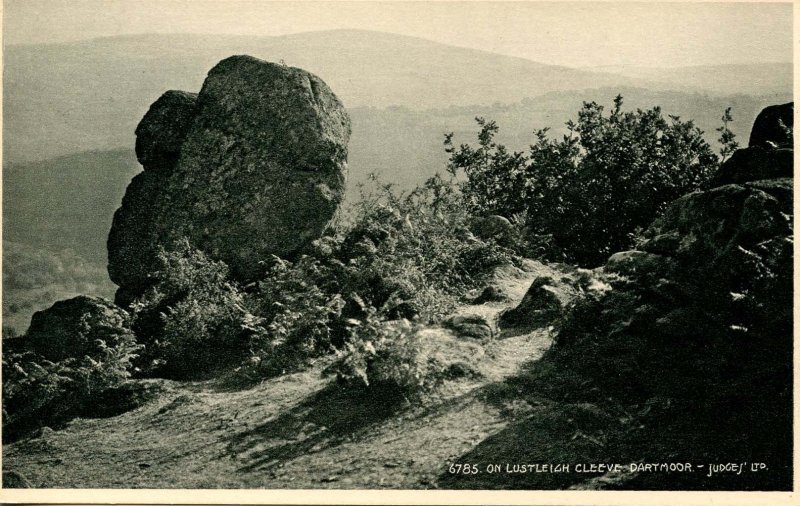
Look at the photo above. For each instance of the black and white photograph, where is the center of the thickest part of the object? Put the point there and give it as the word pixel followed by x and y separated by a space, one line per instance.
pixel 440 247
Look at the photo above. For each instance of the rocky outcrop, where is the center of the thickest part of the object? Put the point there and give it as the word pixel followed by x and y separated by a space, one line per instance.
pixel 699 317
pixel 253 165
pixel 752 164
pixel 72 328
pixel 770 153
pixel 773 126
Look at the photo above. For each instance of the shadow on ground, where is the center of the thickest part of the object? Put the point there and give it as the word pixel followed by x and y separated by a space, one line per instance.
pixel 323 420
pixel 557 420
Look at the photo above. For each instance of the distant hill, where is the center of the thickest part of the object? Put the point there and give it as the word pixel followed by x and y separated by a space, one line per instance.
pixel 66 202
pixel 64 98
pixel 56 217
pixel 748 79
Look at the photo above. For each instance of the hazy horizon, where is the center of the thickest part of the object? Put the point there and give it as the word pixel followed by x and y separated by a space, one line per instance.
pixel 574 34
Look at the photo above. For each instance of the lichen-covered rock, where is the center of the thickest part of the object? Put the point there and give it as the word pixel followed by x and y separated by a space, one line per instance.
pixel 71 328
pixel 254 165
pixel 773 125
pixel 709 316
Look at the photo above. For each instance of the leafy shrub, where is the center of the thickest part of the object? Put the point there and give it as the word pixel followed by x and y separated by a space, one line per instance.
pixel 421 241
pixel 293 318
pixel 38 392
pixel 191 319
pixel 387 356
pixel 399 256
pixel 584 196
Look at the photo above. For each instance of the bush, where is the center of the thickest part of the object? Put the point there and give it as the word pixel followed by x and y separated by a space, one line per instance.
pixel 38 392
pixel 419 246
pixel 387 356
pixel 191 320
pixel 400 256
pixel 293 318
pixel 584 196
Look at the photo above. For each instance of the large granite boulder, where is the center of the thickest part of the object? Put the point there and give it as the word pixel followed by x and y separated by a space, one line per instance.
pixel 72 328
pixel 253 165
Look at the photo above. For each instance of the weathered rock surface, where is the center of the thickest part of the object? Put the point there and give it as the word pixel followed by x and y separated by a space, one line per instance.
pixel 70 328
pixel 163 129
pixel 471 325
pixel 755 163
pixel 770 154
pixel 706 296
pixel 253 165
pixel 540 305
pixel 772 126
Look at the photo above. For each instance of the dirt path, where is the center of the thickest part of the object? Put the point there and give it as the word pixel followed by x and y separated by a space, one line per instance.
pixel 295 431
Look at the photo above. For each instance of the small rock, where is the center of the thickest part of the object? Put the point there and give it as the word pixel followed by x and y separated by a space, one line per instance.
pixel 491 293
pixel 493 227
pixel 44 432
pixel 471 325
pixel 634 263
pixel 539 306
pixel 13 479
pixel 58 333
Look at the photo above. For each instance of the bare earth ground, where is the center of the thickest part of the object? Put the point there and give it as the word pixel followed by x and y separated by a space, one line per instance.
pixel 294 431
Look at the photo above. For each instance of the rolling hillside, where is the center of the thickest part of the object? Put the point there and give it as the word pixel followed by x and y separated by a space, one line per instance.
pixel 748 79
pixel 91 94
pixel 65 98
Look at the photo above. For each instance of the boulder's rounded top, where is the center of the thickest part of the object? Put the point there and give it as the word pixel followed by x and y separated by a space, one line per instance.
pixel 160 134
pixel 773 126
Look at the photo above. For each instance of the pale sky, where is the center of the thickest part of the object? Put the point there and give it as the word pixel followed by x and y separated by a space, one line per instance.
pixel 576 34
